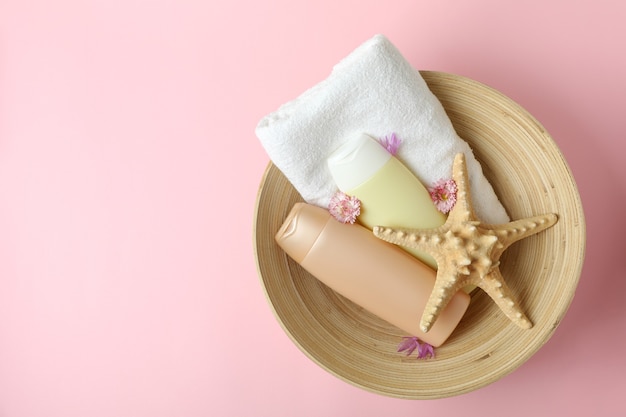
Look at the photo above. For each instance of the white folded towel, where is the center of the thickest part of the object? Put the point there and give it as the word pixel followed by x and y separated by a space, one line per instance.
pixel 374 90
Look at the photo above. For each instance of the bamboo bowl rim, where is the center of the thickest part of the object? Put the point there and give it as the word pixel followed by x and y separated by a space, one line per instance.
pixel 530 176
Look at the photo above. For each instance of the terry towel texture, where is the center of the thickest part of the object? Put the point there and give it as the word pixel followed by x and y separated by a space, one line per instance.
pixel 374 90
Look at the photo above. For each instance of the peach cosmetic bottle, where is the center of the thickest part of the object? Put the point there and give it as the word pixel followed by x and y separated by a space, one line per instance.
pixel 374 274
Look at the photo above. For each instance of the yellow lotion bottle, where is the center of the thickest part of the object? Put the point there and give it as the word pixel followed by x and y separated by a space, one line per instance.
pixel 390 194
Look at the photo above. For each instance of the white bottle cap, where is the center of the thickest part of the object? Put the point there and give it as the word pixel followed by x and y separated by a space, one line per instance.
pixel 356 161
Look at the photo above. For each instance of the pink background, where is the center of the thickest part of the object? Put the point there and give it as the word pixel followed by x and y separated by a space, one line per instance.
pixel 129 171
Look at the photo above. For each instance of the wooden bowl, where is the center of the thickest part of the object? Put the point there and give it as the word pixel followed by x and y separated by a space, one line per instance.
pixel 530 177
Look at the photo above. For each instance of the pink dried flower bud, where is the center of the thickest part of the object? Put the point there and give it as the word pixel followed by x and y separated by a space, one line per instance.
pixel 410 344
pixel 391 143
pixel 443 194
pixel 344 208
pixel 425 351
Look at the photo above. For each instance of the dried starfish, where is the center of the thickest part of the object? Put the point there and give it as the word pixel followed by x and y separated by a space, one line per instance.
pixel 468 252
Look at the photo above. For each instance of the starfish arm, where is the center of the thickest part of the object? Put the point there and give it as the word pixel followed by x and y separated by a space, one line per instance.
pixel 425 240
pixel 510 233
pixel 462 210
pixel 449 280
pixel 495 286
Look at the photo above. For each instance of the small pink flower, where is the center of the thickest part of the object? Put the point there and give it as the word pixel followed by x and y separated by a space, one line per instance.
pixel 425 351
pixel 410 344
pixel 344 208
pixel 391 143
pixel 443 193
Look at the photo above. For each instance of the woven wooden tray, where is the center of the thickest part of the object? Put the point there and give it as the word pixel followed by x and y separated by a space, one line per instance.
pixel 530 177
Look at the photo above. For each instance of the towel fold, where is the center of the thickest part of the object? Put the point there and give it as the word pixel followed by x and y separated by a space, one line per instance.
pixel 374 90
